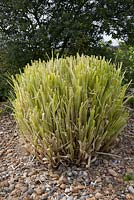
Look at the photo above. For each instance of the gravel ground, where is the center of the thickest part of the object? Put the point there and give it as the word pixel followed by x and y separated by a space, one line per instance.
pixel 22 177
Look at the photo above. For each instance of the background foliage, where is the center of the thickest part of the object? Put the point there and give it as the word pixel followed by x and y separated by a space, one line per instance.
pixel 30 30
pixel 125 54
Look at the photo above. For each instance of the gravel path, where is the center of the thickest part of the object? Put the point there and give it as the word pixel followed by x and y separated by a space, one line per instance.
pixel 22 177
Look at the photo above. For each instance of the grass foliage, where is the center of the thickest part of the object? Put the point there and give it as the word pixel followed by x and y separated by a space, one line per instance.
pixel 70 108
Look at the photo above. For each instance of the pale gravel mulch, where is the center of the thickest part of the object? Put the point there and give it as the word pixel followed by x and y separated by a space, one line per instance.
pixel 22 177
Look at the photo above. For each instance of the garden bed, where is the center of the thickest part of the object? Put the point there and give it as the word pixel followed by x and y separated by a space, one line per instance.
pixel 22 177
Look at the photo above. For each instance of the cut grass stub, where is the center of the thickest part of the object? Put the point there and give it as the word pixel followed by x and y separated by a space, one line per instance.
pixel 69 108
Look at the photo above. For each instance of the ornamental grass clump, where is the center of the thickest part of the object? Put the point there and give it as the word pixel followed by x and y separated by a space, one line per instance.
pixel 70 108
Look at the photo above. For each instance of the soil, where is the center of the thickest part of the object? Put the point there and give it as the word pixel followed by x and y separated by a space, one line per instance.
pixel 22 177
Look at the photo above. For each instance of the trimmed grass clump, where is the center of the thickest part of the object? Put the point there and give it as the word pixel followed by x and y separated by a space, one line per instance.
pixel 70 108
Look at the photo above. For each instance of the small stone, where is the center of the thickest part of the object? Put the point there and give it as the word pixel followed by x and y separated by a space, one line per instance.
pixel 97 162
pixel 5 183
pixel 30 191
pixel 39 191
pixel 67 190
pixel 1 152
pixel 74 189
pixel 44 196
pixel 15 192
pixel 83 197
pixel 69 173
pixel 34 195
pixel 70 198
pixel 106 192
pixel 25 195
pixel 43 187
pixel 87 181
pixel 91 198
pixel 2 194
pixel 33 172
pixel 24 188
pixel 15 134
pixel 62 186
pixel 11 187
pixel 75 173
pixel 9 151
pixel 42 178
pixel 12 181
pixel 81 187
pixel 64 198
pixel 62 179
pixel 110 186
pixel 93 183
pixel 131 189
pixel 60 196
pixel 122 195
pixel 47 189
pixel 77 188
pixel 85 173
pixel 129 197
pixel 85 193
pixel 70 180
pixel 98 195
pixel 98 180
pixel 112 172
pixel 105 162
pixel 25 174
pixel 108 179
pixel 18 186
pixel 54 176
pixel 6 189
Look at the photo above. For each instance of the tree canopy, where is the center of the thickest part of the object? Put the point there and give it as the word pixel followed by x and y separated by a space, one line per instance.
pixel 30 29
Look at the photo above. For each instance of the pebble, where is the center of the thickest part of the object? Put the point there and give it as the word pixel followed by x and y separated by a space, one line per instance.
pixel 18 186
pixel 44 196
pixel 60 196
pixel 98 180
pixel 87 181
pixel 91 198
pixel 67 190
pixel 62 179
pixel 108 179
pixel 39 191
pixel 48 189
pixel 70 198
pixel 34 195
pixel 131 189
pixel 30 191
pixel 98 195
pixel 6 189
pixel 62 186
pixel 11 187
pixel 85 174
pixel 75 173
pixel 42 178
pixel 24 189
pixel 64 198
pixel 15 134
pixel 110 186
pixel 129 197
pixel 70 174
pixel 112 172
